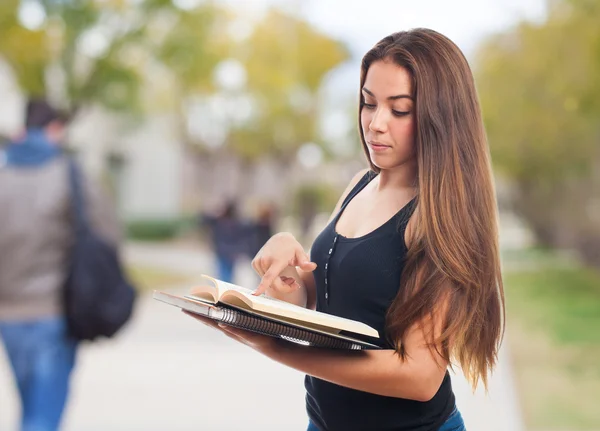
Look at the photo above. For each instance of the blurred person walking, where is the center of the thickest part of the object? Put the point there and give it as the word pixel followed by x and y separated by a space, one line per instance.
pixel 259 231
pixel 262 228
pixel 229 236
pixel 36 238
pixel 307 213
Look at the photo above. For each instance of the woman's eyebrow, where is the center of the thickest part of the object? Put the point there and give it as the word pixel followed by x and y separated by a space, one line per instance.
pixel 399 96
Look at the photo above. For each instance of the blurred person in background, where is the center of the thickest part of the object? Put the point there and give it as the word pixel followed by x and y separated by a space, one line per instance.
pixel 308 212
pixel 36 236
pixel 262 228
pixel 229 238
pixel 411 249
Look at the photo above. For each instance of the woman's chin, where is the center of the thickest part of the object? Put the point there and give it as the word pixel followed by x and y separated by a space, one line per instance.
pixel 381 162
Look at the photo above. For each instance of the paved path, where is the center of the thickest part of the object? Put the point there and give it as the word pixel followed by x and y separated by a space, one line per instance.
pixel 167 372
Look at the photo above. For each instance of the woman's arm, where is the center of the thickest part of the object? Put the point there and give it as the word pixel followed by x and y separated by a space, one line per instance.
pixel 380 372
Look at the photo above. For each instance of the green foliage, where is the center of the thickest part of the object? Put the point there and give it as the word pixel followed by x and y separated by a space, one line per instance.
pixel 154 229
pixel 112 77
pixel 286 60
pixel 564 302
pixel 540 96
pixel 24 49
pixel 31 53
pixel 553 318
pixel 318 197
pixel 146 278
pixel 194 45
pixel 157 56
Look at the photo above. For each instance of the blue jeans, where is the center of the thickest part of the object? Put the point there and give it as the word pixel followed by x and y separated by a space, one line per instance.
pixel 42 357
pixel 453 423
pixel 225 268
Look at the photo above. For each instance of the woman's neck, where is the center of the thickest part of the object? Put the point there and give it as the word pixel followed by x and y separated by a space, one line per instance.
pixel 399 178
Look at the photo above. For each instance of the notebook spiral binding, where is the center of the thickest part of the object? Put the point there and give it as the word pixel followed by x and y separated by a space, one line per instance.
pixel 256 324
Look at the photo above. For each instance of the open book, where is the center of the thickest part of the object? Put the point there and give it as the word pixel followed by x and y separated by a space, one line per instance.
pixel 236 306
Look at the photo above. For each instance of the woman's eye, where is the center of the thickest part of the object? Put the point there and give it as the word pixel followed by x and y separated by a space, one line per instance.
pixel 369 105
pixel 400 113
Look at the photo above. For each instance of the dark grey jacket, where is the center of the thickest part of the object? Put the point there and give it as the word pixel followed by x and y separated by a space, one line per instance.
pixel 36 237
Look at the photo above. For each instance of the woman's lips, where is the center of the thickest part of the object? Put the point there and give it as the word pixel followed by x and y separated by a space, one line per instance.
pixel 376 146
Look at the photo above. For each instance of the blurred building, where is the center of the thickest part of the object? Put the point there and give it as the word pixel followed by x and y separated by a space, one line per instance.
pixel 140 163
pixel 11 103
pixel 142 166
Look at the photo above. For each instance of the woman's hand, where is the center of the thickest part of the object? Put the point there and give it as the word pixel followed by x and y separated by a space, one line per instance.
pixel 276 262
pixel 261 343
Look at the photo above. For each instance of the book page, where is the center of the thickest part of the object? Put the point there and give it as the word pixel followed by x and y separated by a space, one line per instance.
pixel 207 291
pixel 276 307
pixel 223 286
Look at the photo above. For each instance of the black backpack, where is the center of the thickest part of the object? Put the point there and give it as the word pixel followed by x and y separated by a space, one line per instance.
pixel 98 298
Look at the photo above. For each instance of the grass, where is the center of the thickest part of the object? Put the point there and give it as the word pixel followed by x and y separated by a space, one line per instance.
pixel 147 278
pixel 553 318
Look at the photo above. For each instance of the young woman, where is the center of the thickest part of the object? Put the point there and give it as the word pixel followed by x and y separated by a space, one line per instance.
pixel 411 250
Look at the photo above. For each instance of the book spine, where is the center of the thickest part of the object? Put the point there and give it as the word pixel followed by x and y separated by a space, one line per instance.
pixel 289 333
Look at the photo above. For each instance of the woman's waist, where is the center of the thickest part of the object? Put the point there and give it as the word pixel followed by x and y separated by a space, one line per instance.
pixel 333 402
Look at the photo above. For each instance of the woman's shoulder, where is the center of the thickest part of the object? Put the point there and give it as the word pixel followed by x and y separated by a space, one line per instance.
pixel 362 175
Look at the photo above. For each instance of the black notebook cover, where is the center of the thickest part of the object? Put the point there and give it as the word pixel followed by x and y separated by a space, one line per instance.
pixel 247 320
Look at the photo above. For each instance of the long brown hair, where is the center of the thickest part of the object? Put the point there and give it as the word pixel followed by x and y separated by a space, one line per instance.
pixel 453 259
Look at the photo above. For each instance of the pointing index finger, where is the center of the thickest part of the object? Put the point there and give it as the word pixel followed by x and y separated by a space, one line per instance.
pixel 269 277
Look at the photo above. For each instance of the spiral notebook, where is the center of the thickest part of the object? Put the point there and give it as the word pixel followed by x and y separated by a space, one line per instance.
pixel 237 307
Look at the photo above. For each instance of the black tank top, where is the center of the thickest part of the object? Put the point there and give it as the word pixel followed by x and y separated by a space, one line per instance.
pixel 358 278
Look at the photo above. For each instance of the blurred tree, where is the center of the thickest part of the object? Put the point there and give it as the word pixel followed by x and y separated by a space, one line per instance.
pixel 285 59
pixel 65 50
pixel 81 52
pixel 540 95
pixel 267 103
pixel 177 58
pixel 106 51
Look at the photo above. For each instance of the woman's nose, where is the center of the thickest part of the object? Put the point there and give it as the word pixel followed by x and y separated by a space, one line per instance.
pixel 378 122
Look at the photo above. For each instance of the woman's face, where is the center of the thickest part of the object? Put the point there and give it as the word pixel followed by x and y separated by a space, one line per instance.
pixel 387 116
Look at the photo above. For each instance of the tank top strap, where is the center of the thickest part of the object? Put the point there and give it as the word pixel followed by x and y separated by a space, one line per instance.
pixel 366 179
pixel 406 213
